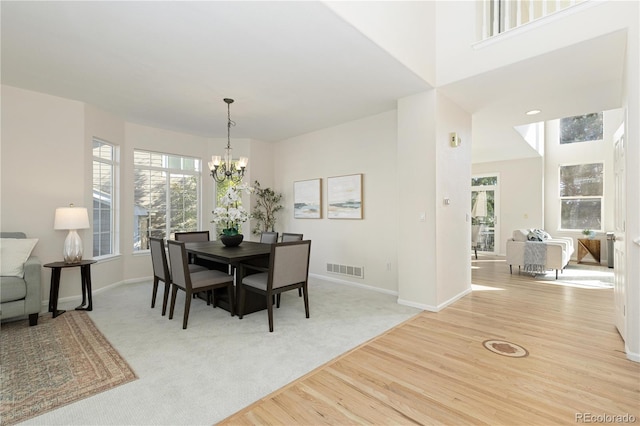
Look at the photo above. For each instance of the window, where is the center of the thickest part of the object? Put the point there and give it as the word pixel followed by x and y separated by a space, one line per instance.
pixel 581 191
pixel 581 128
pixel 484 210
pixel 166 196
pixel 105 166
pixel 221 189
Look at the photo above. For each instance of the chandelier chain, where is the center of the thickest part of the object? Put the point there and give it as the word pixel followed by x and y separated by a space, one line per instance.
pixel 224 168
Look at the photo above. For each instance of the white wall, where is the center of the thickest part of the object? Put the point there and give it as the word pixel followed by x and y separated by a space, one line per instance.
pixel 580 153
pixel 109 128
pixel 261 169
pixel 521 195
pixel 453 183
pixel 434 269
pixel 46 163
pixel 404 29
pixel 366 146
pixel 43 167
pixel 459 56
pixel 417 195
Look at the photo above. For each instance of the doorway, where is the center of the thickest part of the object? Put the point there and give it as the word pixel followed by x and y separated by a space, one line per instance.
pixel 484 212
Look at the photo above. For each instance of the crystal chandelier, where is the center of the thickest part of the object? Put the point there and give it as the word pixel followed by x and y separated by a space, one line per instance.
pixel 224 168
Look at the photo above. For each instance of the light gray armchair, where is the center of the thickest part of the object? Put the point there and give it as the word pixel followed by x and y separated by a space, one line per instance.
pixel 21 296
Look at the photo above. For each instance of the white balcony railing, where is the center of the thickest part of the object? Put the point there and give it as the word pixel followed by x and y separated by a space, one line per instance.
pixel 502 15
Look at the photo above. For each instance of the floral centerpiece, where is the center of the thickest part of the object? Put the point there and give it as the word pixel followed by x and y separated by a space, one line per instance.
pixel 230 214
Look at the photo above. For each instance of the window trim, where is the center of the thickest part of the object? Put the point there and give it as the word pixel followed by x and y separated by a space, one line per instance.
pixel 581 197
pixel 171 171
pixel 115 198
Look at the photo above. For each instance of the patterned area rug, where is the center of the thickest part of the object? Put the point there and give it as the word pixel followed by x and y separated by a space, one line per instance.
pixel 55 363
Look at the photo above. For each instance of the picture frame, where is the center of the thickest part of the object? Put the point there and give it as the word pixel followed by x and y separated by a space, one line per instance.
pixel 307 199
pixel 344 197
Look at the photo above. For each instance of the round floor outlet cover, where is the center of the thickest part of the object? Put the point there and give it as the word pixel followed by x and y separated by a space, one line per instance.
pixel 502 347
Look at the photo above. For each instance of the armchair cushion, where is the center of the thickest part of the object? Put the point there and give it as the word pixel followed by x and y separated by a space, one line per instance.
pixel 13 288
pixel 14 252
pixel 20 277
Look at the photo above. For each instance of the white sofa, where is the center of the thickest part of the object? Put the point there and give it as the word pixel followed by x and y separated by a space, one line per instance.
pixel 555 252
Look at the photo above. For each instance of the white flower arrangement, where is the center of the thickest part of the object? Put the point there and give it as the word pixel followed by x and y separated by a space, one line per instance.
pixel 229 214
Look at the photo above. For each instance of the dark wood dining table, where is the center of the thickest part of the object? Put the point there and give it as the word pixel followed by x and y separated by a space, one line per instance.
pixel 215 255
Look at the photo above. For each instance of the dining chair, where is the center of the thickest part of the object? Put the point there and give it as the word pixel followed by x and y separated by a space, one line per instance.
pixel 286 237
pixel 161 271
pixel 475 231
pixel 193 282
pixel 288 270
pixel 191 236
pixel 269 237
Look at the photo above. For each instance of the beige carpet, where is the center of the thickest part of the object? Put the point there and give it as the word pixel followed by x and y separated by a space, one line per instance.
pixel 57 362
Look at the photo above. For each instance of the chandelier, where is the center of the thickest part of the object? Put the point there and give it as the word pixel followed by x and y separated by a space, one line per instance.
pixel 224 168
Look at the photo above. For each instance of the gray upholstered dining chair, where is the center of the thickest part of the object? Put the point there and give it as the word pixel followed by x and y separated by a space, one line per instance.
pixel 286 237
pixel 191 236
pixel 193 282
pixel 269 237
pixel 288 270
pixel 161 271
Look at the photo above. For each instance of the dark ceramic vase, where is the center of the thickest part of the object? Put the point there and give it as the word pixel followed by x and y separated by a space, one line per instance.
pixel 231 240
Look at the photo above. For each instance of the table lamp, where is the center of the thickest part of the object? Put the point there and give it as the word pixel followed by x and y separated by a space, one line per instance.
pixel 72 218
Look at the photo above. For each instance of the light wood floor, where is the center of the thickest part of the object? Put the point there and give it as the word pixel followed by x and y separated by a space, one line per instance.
pixel 433 369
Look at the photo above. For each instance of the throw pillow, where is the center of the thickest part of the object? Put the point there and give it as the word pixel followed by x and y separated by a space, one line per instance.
pixel 13 253
pixel 538 235
pixel 520 234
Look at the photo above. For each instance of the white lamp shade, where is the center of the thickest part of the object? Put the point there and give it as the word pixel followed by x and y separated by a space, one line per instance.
pixel 71 218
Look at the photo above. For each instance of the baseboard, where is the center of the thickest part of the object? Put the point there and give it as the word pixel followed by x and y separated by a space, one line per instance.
pixel 422 306
pixel 632 356
pixel 437 308
pixel 352 284
pixel 45 303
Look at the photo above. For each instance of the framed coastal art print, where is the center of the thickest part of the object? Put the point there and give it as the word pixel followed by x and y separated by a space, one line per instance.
pixel 307 199
pixel 344 194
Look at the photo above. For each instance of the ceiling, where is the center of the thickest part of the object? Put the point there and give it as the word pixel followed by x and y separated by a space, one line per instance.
pixel 579 79
pixel 292 68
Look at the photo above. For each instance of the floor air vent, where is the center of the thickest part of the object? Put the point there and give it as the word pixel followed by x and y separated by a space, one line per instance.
pixel 352 271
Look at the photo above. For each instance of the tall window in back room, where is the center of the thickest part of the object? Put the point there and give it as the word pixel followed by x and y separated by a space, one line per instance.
pixel 581 185
pixel 581 193
pixel 166 196
pixel 105 172
pixel 581 128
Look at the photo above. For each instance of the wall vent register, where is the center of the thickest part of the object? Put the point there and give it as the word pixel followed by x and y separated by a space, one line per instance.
pixel 352 271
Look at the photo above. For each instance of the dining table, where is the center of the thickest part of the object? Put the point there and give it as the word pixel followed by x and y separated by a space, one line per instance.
pixel 215 255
